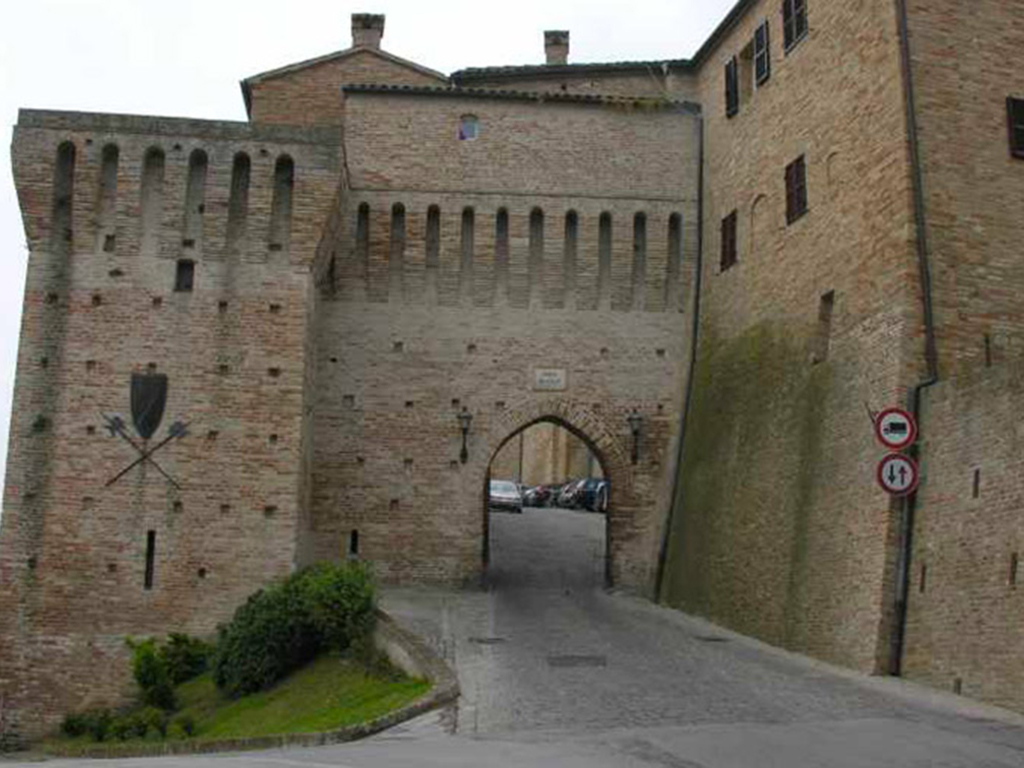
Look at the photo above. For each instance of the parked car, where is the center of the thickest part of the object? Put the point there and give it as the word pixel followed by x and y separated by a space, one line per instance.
pixel 567 497
pixel 593 495
pixel 537 496
pixel 504 494
pixel 554 490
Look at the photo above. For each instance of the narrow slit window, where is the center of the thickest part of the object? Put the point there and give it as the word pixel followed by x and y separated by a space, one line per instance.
pixel 469 128
pixel 184 276
pixel 353 543
pixel 824 341
pixel 569 256
pixel 501 250
pixel 1015 118
pixel 796 190
pixel 363 236
pixel 675 258
pixel 147 582
pixel 536 265
pixel 604 257
pixel 433 238
pixel 732 87
pixel 195 199
pixel 238 202
pixel 106 202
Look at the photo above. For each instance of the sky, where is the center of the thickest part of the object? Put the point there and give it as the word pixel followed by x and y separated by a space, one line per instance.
pixel 185 59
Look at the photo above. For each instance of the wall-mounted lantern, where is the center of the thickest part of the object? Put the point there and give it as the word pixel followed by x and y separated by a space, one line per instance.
pixel 635 422
pixel 465 419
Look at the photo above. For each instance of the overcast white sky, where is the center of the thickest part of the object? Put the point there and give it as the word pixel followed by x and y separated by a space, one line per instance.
pixel 185 58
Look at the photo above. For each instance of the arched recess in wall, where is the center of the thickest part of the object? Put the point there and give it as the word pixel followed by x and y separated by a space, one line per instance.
pixel 674 263
pixel 281 207
pixel 62 228
pixel 535 266
pixel 363 240
pixel 238 202
pixel 195 200
pixel 604 260
pixel 760 227
pixel 106 200
pixel 396 252
pixel 501 247
pixel 467 246
pixel 569 257
pixel 152 199
pixel 638 281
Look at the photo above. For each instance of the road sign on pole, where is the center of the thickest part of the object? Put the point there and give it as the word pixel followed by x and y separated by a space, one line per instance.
pixel 895 429
pixel 898 474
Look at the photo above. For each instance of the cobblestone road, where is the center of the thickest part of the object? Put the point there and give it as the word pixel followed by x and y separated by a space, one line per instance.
pixel 556 672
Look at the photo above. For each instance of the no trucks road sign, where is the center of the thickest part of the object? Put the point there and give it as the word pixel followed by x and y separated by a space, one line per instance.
pixel 895 429
pixel 898 474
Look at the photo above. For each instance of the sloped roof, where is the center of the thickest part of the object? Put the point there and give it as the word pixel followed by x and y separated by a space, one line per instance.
pixel 248 82
pixel 553 70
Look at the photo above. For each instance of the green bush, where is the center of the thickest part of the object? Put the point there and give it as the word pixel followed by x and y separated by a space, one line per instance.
pixel 152 719
pixel 98 722
pixel 74 725
pixel 185 657
pixel 151 673
pixel 185 724
pixel 284 626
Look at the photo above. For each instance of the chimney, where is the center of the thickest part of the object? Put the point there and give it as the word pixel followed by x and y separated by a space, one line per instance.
pixel 556 46
pixel 367 30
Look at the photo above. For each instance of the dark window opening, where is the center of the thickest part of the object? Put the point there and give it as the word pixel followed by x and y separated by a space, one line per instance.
pixel 729 254
pixel 639 276
pixel 976 487
pixel 922 581
pixel 467 246
pixel 150 559
pixel 433 238
pixel 732 88
pixel 762 54
pixel 825 309
pixel 794 21
pixel 535 267
pixel 569 253
pixel 604 258
pixel 363 236
pixel 396 251
pixel 184 276
pixel 796 190
pixel 1015 117
pixel 353 543
pixel 1013 569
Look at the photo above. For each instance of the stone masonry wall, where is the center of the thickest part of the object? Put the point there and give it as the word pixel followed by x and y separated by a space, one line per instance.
pixel 779 530
pixel 965 607
pixel 100 304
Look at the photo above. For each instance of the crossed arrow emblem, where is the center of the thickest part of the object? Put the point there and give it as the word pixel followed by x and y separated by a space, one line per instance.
pixel 116 426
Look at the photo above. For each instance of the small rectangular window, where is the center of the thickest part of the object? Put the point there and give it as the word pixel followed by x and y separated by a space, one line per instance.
pixel 732 88
pixel 824 339
pixel 184 276
pixel 1015 117
pixel 796 190
pixel 729 256
pixel 762 54
pixel 794 21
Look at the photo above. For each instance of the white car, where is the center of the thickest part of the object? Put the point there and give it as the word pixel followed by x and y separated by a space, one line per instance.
pixel 505 494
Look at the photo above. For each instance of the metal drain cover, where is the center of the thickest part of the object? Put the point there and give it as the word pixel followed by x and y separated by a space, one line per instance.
pixel 577 661
pixel 487 640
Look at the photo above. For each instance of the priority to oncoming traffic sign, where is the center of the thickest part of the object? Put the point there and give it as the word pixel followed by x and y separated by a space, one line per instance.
pixel 898 474
pixel 895 429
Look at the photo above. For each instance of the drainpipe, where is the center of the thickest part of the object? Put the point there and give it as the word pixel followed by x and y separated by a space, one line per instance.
pixel 931 355
pixel 694 339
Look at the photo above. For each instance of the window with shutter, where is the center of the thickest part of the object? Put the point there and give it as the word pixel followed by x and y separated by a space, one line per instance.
pixel 732 88
pixel 1015 117
pixel 762 54
pixel 729 255
pixel 794 21
pixel 796 190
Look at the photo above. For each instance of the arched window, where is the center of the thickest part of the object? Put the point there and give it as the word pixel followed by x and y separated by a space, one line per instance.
pixel 195 200
pixel 468 236
pixel 281 207
pixel 396 251
pixel 238 203
pixel 639 276
pixel 106 200
pixel 469 128
pixel 152 199
pixel 61 233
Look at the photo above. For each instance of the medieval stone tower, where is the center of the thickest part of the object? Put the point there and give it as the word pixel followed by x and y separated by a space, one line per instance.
pixel 251 346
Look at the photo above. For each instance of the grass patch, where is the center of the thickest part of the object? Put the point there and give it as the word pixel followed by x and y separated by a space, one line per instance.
pixel 329 693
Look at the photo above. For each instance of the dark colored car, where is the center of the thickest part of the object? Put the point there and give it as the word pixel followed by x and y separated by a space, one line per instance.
pixel 504 494
pixel 537 496
pixel 593 495
pixel 569 493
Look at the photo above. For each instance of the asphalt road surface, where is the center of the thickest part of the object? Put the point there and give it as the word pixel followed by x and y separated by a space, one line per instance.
pixel 556 672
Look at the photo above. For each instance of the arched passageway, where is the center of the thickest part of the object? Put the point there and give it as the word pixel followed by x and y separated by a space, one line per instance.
pixel 546 500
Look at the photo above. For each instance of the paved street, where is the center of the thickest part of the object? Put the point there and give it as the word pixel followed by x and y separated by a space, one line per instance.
pixel 556 672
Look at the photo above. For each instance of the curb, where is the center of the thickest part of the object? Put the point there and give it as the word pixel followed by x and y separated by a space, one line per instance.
pixel 404 649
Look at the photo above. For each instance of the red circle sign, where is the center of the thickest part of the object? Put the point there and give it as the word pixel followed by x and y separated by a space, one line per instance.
pixel 898 474
pixel 895 428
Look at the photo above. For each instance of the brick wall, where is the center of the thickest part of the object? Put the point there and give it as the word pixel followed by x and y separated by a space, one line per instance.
pixel 73 549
